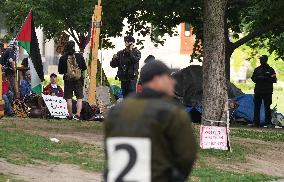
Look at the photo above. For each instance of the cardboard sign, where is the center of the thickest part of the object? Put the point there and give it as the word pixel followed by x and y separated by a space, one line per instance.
pixel 214 137
pixel 57 106
pixel 61 43
pixel 129 159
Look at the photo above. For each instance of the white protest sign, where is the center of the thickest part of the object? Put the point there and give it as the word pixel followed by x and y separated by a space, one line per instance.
pixel 129 159
pixel 214 137
pixel 57 106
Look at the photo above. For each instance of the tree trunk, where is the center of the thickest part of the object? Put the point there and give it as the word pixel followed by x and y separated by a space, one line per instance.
pixel 214 77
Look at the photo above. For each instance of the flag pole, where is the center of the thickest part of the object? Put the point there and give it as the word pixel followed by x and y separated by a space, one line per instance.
pixel 95 48
pixel 2 103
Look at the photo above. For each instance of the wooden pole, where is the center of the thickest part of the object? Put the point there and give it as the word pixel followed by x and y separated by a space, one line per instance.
pixel 96 42
pixel 2 104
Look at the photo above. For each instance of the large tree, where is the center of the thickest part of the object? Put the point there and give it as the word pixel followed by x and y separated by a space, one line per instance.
pixel 246 21
pixel 214 80
pixel 220 25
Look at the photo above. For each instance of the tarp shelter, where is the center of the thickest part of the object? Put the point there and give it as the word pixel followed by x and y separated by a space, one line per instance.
pixel 246 109
pixel 189 86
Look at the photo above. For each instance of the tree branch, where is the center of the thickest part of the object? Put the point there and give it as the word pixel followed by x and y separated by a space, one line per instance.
pixel 258 32
pixel 71 32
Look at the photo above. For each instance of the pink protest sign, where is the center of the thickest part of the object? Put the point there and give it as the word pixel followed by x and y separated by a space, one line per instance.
pixel 214 137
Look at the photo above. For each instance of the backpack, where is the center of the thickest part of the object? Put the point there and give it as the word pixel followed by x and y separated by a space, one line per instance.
pixel 73 70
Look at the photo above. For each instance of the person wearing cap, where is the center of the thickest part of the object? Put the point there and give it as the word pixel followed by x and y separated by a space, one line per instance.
pixel 127 62
pixel 52 88
pixel 9 64
pixel 263 76
pixel 156 142
pixel 147 60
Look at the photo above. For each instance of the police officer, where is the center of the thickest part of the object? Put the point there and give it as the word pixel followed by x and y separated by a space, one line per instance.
pixel 263 76
pixel 148 136
pixel 127 62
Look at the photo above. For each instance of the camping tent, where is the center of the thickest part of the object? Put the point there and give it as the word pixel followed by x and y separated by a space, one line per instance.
pixel 189 85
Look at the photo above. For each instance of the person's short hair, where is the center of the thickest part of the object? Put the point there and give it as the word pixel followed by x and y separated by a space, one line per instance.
pixel 70 46
pixel 264 58
pixel 53 75
pixel 129 38
pixel 149 58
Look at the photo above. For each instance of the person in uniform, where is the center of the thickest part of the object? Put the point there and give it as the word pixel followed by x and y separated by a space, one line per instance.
pixel 151 129
pixel 263 76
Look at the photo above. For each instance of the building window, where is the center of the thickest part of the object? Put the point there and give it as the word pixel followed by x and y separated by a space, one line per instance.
pixel 187 30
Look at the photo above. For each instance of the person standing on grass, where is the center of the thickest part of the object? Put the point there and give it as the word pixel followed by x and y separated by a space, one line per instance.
pixel 127 62
pixel 72 65
pixel 263 76
pixel 155 142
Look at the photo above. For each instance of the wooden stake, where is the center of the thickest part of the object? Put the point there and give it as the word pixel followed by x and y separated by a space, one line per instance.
pixel 96 42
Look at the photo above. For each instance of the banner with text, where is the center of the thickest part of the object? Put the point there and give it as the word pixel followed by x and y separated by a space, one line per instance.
pixel 214 137
pixel 57 106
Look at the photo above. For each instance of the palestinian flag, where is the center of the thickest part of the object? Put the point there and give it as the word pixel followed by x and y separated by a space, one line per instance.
pixel 28 40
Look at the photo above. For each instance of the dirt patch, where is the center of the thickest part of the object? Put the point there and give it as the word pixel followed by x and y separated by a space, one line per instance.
pixel 47 173
pixel 62 131
pixel 84 138
pixel 263 157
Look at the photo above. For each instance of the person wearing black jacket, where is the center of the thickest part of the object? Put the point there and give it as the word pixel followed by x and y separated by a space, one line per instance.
pixel 71 86
pixel 127 62
pixel 156 142
pixel 263 76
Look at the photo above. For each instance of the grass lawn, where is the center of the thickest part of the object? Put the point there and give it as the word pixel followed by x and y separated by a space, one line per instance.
pixel 5 178
pixel 214 175
pixel 271 135
pixel 19 146
pixel 278 98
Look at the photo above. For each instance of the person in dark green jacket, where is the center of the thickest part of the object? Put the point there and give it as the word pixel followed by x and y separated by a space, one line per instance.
pixel 148 136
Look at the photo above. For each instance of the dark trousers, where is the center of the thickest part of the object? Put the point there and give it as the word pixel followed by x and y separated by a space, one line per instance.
pixel 128 87
pixel 267 98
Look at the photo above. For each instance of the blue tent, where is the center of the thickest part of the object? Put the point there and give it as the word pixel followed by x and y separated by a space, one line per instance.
pixel 246 108
pixel 244 111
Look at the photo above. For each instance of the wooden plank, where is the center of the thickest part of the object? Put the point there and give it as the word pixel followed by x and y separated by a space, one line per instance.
pixel 96 42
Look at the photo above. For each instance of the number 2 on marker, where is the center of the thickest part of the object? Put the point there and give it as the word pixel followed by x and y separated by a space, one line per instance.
pixel 129 159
